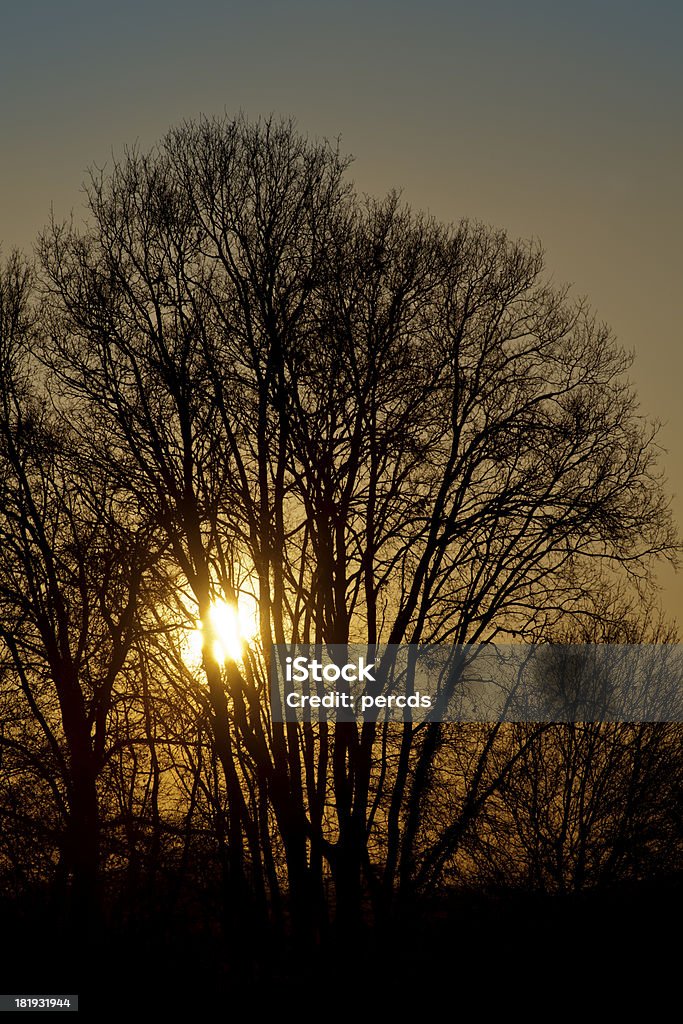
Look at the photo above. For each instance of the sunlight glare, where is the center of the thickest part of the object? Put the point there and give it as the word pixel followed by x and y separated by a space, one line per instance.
pixel 232 627
pixel 225 624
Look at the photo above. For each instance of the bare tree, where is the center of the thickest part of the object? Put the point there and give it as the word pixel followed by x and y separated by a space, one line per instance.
pixel 589 803
pixel 70 577
pixel 390 429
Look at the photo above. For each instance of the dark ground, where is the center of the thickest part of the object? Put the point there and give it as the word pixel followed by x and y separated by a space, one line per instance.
pixel 537 955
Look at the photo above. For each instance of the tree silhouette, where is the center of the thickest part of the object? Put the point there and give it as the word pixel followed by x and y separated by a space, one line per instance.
pixel 70 578
pixel 588 803
pixel 383 428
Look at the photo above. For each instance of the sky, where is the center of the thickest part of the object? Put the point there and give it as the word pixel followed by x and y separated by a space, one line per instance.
pixel 554 121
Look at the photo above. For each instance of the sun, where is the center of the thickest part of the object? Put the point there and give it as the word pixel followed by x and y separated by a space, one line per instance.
pixel 232 627
pixel 227 629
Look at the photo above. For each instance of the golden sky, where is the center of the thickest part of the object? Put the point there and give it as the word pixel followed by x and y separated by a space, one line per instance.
pixel 551 120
